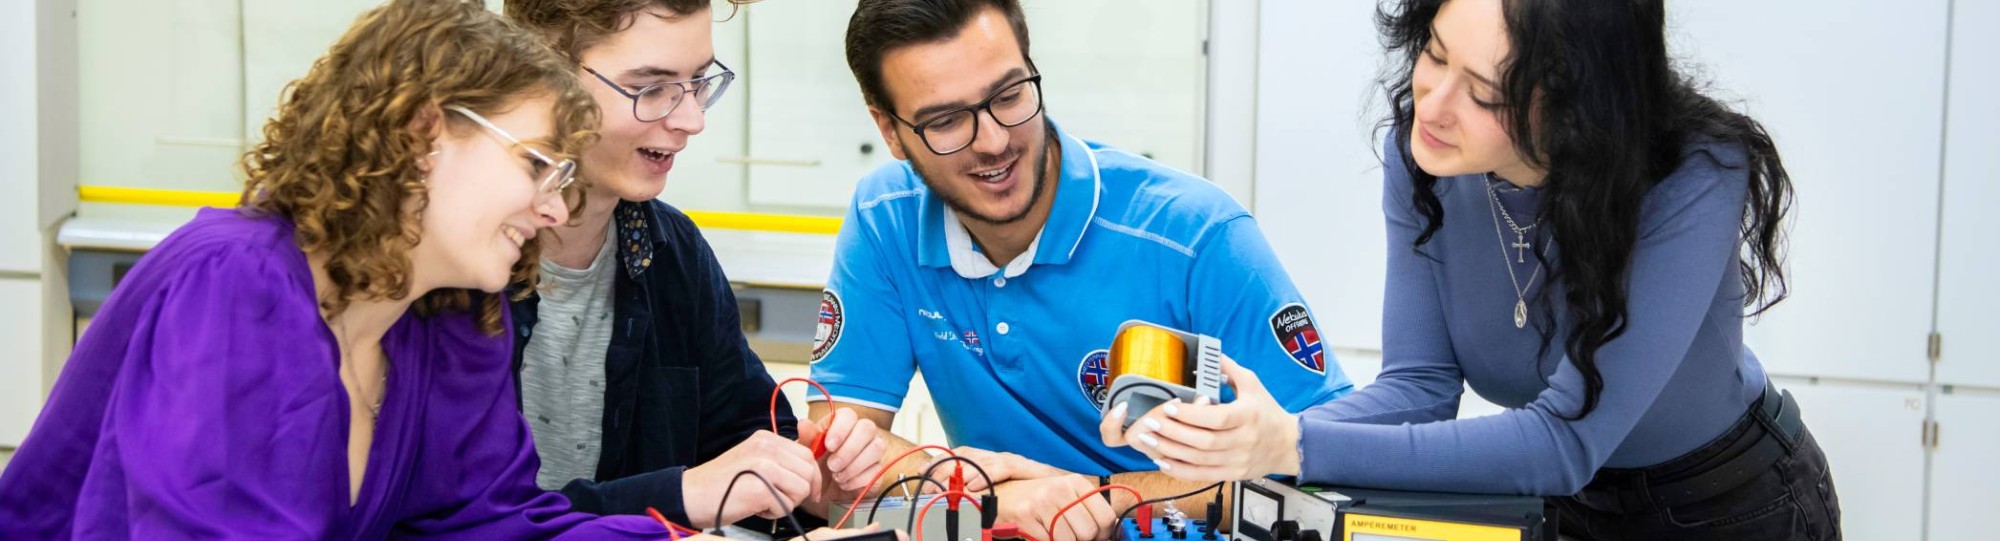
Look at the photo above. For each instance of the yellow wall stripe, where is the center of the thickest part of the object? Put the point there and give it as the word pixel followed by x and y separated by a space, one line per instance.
pixel 777 223
pixel 743 221
pixel 149 196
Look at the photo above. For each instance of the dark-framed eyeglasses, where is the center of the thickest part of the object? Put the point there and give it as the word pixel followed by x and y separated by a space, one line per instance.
pixel 657 101
pixel 951 131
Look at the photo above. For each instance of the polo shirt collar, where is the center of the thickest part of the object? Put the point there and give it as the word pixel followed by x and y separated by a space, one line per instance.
pixel 943 240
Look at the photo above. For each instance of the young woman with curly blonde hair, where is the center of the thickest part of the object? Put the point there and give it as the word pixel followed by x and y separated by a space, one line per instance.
pixel 326 360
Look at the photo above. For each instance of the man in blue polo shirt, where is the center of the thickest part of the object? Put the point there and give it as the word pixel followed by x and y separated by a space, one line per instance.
pixel 1000 255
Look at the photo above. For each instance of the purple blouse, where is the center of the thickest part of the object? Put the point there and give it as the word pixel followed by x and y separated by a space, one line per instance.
pixel 204 402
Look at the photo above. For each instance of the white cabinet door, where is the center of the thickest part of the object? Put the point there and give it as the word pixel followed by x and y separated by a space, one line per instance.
pixel 1967 293
pixel 280 42
pixel 21 369
pixel 20 235
pixel 707 174
pixel 1124 72
pixel 809 127
pixel 1128 73
pixel 1872 436
pixel 1965 487
pixel 1851 90
pixel 1319 181
pixel 161 92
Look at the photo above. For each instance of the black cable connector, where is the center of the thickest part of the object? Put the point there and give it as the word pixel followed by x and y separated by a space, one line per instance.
pixel 928 472
pixel 1214 518
pixel 989 511
pixel 1285 530
pixel 950 522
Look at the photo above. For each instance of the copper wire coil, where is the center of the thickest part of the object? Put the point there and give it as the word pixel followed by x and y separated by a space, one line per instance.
pixel 1152 352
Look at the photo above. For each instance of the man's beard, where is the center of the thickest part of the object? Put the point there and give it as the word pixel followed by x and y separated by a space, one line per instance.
pixel 1036 162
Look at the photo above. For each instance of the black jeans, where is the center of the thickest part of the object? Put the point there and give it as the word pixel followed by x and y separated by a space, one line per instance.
pixel 1764 479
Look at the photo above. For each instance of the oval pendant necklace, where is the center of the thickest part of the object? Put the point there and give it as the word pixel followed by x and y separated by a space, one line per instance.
pixel 1520 246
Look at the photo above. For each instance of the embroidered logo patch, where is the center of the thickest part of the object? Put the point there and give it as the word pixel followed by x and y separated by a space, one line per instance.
pixel 971 342
pixel 1293 326
pixel 1093 375
pixel 831 319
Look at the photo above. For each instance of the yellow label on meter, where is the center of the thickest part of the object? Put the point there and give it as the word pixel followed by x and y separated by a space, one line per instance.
pixel 1361 527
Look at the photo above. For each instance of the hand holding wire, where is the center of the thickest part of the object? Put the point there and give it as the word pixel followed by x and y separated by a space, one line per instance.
pixel 788 466
pixel 1003 467
pixel 853 448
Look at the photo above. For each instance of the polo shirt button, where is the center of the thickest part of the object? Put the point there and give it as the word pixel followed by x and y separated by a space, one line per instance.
pixel 1000 282
pixel 1002 327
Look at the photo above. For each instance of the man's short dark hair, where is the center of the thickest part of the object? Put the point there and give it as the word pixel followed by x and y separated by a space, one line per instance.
pixel 879 26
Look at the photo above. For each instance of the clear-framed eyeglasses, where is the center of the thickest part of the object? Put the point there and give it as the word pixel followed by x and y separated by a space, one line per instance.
pixel 552 176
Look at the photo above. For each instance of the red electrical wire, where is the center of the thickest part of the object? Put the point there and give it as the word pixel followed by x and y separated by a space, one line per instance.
pixel 878 479
pixel 674 531
pixel 952 495
pixel 1051 525
pixel 1009 530
pixel 819 443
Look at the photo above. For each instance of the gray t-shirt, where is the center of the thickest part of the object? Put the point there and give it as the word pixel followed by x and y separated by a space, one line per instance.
pixel 562 371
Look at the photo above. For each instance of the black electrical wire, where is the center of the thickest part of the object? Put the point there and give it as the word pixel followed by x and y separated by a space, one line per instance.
pixel 723 503
pixel 879 496
pixel 1217 487
pixel 975 466
pixel 951 519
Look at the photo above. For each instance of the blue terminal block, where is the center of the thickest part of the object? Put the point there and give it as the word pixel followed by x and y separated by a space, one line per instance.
pixel 1165 530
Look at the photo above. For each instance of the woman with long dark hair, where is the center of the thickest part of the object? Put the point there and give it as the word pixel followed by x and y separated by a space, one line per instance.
pixel 1577 232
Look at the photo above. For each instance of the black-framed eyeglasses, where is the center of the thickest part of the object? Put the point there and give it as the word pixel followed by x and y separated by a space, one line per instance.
pixel 954 130
pixel 552 175
pixel 657 101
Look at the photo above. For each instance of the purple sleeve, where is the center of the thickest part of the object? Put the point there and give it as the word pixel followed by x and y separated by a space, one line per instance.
pixel 477 471
pixel 215 424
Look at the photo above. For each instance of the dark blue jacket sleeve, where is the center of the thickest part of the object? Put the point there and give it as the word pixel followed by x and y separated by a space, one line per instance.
pixel 735 394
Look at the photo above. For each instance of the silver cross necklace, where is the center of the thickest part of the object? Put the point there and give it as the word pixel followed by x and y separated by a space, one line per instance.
pixel 1520 246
